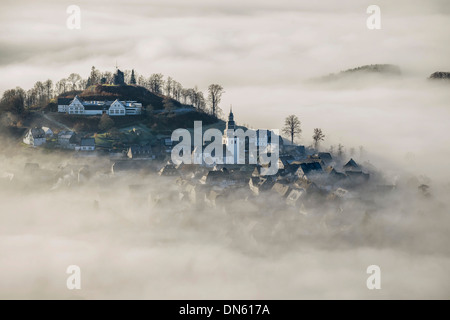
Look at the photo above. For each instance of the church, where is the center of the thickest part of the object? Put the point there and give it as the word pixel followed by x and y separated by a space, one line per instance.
pixel 230 141
pixel 255 142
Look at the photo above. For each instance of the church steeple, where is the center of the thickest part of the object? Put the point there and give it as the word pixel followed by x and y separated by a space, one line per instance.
pixel 230 123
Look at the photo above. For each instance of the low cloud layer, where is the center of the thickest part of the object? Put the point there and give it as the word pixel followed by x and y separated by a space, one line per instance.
pixel 263 53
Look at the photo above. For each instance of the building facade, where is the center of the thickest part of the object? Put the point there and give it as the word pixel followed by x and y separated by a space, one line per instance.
pixel 91 108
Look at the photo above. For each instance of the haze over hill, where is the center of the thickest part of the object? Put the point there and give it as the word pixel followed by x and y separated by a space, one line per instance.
pixel 382 70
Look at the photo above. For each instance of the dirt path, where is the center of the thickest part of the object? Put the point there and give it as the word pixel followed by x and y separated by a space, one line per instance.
pixel 57 123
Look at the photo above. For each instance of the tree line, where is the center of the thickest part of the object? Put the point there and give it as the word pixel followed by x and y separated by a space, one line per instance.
pixel 292 129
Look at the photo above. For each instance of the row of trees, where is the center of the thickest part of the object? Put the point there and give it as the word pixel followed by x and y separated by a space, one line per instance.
pixel 168 87
pixel 292 129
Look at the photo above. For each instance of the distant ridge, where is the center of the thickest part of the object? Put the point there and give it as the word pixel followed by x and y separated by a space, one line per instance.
pixel 439 75
pixel 381 69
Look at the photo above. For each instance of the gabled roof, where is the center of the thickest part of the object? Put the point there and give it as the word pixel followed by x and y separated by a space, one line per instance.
pixel 326 156
pixel 64 101
pixel 37 133
pixel 312 166
pixel 351 164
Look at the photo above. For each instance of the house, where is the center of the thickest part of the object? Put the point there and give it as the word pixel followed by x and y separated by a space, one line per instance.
pixel 67 139
pixel 113 108
pixel 140 152
pixel 168 170
pixel 357 177
pixel 258 184
pixel 48 132
pixel 63 104
pixel 295 197
pixel 305 170
pixel 87 144
pixel 166 144
pixel 351 165
pixel 326 157
pixel 335 176
pixel 35 137
pixel 298 152
pixel 282 189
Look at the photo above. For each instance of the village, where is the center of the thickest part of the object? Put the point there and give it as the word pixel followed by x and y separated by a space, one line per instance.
pixel 306 180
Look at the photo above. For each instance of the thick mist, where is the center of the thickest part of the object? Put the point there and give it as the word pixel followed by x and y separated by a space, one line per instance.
pixel 134 236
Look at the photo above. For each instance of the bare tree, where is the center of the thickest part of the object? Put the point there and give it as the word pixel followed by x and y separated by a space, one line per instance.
pixel 156 83
pixel 48 85
pixel 109 77
pixel 82 84
pixel 142 81
pixel 179 89
pixel 74 79
pixel 215 92
pixel 340 150
pixel 317 137
pixel 40 92
pixel 169 87
pixel 61 86
pixel 200 101
pixel 184 94
pixel 31 98
pixel 292 127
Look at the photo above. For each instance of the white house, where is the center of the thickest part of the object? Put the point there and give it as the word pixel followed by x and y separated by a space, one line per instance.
pixel 63 104
pixel 35 137
pixel 67 139
pixel 87 144
pixel 112 108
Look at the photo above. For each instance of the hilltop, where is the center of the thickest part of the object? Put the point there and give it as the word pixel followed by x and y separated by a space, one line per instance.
pixel 366 70
pixel 439 75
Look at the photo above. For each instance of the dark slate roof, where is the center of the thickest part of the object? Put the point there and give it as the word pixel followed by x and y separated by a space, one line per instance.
pixel 87 142
pixel 312 166
pixel 37 133
pixel 64 101
pixel 357 175
pixel 351 164
pixel 326 156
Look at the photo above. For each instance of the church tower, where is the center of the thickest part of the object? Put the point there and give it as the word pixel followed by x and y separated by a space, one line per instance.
pixel 231 125
pixel 231 142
